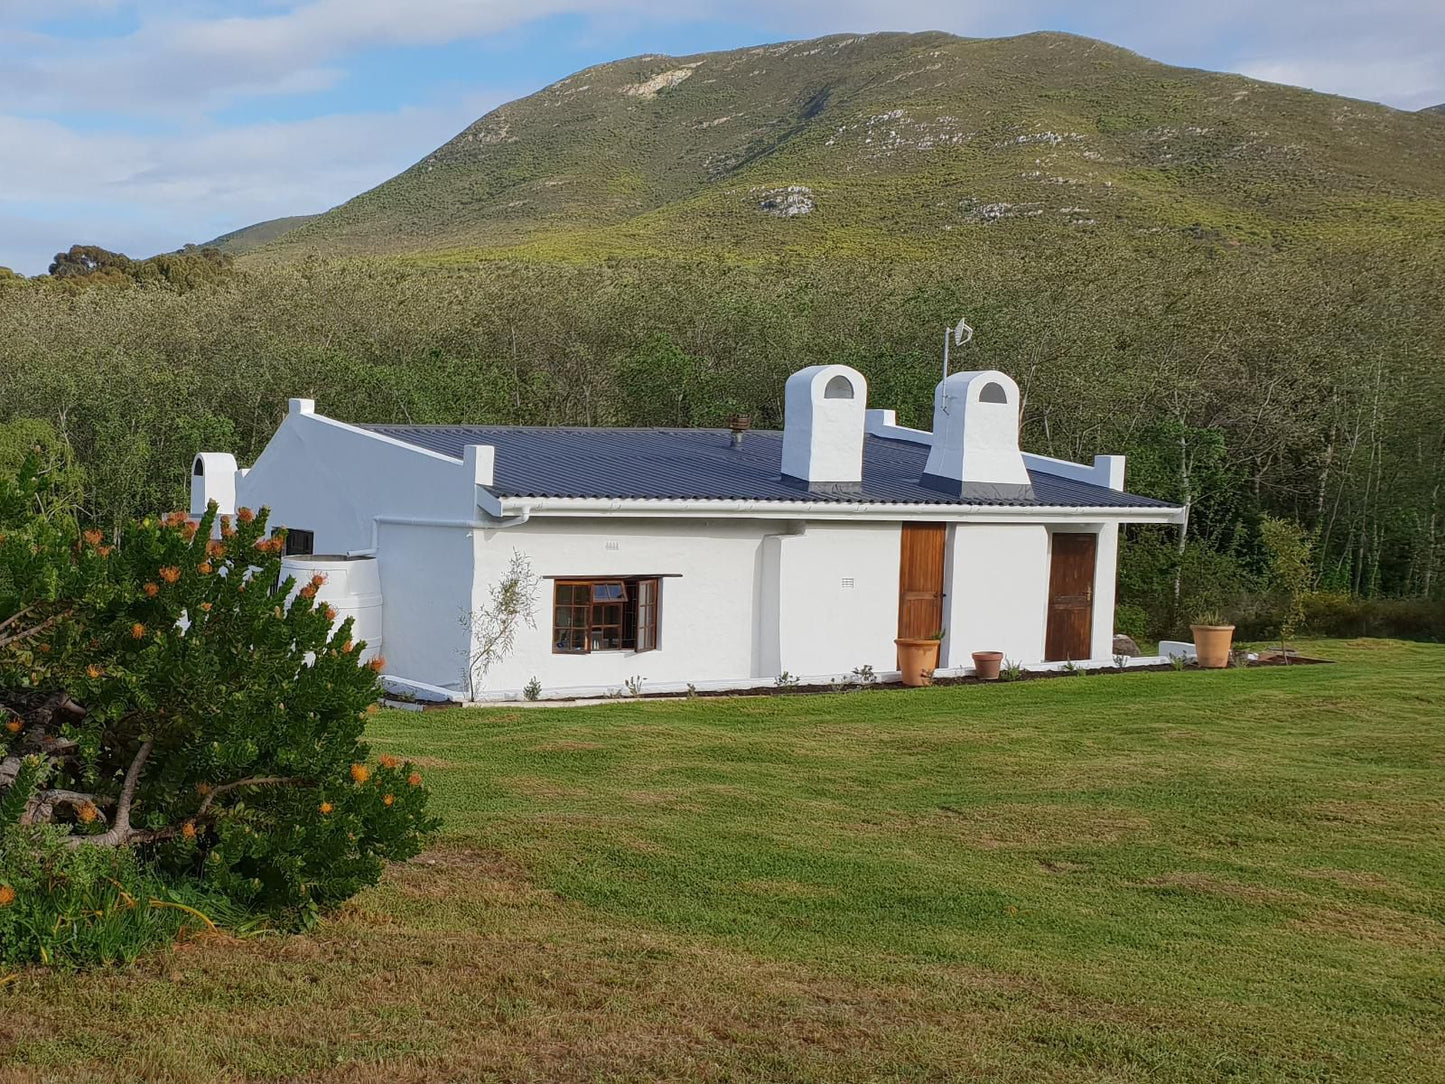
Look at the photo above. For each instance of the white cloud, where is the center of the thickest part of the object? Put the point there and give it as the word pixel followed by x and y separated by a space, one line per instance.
pixel 144 194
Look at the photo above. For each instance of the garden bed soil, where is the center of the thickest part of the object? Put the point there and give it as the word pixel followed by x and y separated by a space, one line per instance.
pixel 1272 658
pixel 963 679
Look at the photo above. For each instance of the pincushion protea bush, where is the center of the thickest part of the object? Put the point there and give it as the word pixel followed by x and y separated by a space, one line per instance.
pixel 163 692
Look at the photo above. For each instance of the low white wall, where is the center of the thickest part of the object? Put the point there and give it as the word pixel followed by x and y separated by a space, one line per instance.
pixel 997 589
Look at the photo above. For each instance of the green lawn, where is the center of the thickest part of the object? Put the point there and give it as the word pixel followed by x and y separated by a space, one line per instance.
pixel 1164 876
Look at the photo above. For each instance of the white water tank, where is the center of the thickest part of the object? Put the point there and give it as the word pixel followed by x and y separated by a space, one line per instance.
pixel 352 589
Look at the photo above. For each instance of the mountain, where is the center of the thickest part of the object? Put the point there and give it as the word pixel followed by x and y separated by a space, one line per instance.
pixel 248 238
pixel 902 144
pixel 1434 108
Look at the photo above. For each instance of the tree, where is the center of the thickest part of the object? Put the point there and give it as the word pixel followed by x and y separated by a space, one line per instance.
pixel 164 694
pixel 492 629
pixel 1290 572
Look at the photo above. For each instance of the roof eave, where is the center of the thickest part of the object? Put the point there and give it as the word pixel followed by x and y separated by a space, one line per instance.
pixel 693 508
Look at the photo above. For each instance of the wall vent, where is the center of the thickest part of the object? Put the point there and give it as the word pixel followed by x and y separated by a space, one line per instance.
pixel 848 583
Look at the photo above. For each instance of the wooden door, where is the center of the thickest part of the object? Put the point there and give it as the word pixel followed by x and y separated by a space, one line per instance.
pixel 1071 597
pixel 920 581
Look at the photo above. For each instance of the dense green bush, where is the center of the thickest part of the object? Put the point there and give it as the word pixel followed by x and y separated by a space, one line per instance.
pixel 1329 613
pixel 1132 621
pixel 162 693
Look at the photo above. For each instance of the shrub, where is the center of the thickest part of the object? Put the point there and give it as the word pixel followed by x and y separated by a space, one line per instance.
pixel 1339 614
pixel 1132 621
pixel 67 906
pixel 184 706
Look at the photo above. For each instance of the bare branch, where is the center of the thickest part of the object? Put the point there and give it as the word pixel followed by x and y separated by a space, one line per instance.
pixel 255 781
pixel 120 830
pixel 34 630
pixel 13 618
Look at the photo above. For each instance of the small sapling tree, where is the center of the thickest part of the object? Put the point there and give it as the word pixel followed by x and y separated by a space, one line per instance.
pixel 492 629
pixel 1290 572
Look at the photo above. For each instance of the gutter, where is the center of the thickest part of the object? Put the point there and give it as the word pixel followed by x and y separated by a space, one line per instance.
pixel 524 513
pixel 829 510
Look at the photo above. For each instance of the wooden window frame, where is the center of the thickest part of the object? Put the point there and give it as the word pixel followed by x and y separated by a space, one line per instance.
pixel 637 625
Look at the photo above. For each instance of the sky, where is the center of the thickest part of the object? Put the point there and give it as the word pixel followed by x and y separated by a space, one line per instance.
pixel 140 125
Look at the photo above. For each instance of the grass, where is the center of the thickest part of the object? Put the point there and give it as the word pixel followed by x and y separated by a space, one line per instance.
pixel 1178 876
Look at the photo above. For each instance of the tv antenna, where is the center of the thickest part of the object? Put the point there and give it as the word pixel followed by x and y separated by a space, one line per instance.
pixel 961 334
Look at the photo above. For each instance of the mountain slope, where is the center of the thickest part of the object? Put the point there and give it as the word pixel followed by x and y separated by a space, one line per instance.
pixel 248 238
pixel 900 143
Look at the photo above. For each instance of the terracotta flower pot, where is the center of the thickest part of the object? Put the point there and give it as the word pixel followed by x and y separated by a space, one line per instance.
pixel 917 659
pixel 1211 645
pixel 986 665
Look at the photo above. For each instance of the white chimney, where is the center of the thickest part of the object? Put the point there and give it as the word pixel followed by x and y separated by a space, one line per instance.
pixel 975 450
pixel 823 410
pixel 213 478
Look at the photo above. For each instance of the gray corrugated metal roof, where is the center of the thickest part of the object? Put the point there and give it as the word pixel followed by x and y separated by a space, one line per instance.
pixel 701 464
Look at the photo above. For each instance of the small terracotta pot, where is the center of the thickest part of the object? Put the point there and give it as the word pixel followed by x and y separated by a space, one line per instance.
pixel 1211 645
pixel 917 659
pixel 986 665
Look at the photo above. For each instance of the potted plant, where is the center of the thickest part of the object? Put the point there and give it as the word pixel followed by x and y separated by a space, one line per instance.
pixel 918 658
pixel 986 665
pixel 1212 640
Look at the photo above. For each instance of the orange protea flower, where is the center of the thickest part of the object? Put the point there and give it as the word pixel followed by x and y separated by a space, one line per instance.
pixel 15 726
pixel 228 532
pixel 175 519
pixel 414 779
pixel 170 573
pixel 206 606
pixel 137 631
pixel 215 548
pixel 346 648
pixel 245 515
pixel 7 895
pixel 203 789
pixel 318 579
pixel 104 551
pixel 92 671
pixel 360 773
pixel 152 590
pixel 188 830
pixel 326 807
pixel 307 592
pixel 389 799
pixel 378 664
pixel 204 568
pixel 188 530
pixel 389 761
pixel 95 538
pixel 88 813
pixel 330 612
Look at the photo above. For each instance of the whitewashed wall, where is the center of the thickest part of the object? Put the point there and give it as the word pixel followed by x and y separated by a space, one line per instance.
pixel 708 605
pixel 996 591
pixel 836 587
pixel 321 475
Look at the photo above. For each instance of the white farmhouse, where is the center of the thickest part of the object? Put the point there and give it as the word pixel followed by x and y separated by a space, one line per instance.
pixel 704 557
